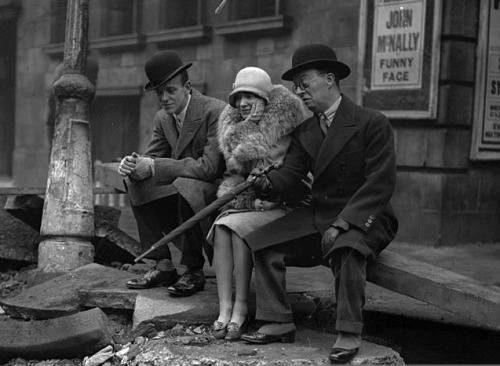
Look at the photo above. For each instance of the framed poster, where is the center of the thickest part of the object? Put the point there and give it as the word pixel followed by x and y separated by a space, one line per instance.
pixel 486 125
pixel 401 60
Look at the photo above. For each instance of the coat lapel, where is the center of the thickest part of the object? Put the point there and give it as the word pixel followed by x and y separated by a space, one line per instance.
pixel 340 132
pixel 170 130
pixel 312 137
pixel 191 124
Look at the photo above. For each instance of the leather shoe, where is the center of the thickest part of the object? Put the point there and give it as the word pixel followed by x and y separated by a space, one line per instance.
pixel 235 330
pixel 339 355
pixel 261 338
pixel 152 278
pixel 188 284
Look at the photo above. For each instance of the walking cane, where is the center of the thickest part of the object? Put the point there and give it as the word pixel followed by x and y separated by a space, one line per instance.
pixel 203 213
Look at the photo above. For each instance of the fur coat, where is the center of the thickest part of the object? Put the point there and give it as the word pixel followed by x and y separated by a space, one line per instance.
pixel 247 145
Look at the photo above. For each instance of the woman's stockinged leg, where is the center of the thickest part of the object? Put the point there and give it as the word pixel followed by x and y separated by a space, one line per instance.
pixel 243 265
pixel 223 264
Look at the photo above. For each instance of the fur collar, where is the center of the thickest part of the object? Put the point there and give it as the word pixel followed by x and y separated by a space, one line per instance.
pixel 281 116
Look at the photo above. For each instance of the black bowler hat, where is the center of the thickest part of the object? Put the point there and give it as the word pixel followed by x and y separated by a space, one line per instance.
pixel 316 56
pixel 162 67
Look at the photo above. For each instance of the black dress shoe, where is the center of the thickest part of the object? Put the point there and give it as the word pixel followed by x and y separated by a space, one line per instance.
pixel 261 338
pixel 188 284
pixel 339 355
pixel 154 277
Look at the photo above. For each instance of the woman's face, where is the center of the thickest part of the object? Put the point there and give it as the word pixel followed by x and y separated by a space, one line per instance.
pixel 244 102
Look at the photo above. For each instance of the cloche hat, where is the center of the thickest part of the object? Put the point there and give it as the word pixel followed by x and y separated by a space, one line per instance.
pixel 162 67
pixel 316 56
pixel 253 80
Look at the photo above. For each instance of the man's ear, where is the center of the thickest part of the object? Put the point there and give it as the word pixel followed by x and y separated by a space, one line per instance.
pixel 187 86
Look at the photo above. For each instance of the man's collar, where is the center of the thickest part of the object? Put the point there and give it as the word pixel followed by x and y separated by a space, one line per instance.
pixel 330 112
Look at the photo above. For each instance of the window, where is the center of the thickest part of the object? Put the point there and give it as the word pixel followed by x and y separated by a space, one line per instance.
pixel 118 18
pixel 179 13
pixel 245 9
pixel 58 21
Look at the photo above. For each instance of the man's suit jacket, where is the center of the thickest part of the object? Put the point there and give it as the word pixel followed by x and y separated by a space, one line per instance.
pixel 188 162
pixel 354 169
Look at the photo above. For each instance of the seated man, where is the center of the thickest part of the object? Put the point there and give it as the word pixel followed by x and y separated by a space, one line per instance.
pixel 350 152
pixel 175 176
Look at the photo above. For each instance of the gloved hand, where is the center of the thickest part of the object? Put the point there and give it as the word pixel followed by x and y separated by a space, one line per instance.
pixel 328 239
pixel 261 183
pixel 257 110
pixel 143 168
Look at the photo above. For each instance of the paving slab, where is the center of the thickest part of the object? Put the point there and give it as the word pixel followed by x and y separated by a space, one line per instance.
pixel 71 336
pixel 59 296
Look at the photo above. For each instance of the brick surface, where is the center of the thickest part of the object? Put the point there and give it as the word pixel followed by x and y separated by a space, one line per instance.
pixel 76 335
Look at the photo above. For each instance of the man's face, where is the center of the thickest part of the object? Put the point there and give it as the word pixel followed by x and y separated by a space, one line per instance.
pixel 311 86
pixel 173 95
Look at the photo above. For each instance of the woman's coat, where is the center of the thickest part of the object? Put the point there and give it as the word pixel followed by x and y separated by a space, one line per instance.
pixel 247 145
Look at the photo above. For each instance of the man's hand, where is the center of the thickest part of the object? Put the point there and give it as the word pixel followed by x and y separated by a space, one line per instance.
pixel 143 168
pixel 136 167
pixel 329 238
pixel 127 165
pixel 261 182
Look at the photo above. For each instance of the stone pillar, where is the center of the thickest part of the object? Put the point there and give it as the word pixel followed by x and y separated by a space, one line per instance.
pixel 68 213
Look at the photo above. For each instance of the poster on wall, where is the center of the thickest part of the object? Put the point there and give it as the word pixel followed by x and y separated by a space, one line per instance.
pixel 401 57
pixel 486 128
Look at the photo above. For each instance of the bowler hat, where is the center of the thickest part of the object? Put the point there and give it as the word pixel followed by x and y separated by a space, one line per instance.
pixel 315 56
pixel 162 67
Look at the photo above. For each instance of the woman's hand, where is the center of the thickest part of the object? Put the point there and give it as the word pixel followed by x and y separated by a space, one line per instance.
pixel 257 110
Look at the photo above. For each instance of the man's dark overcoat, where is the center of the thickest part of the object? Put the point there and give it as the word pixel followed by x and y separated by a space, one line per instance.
pixel 354 171
pixel 188 162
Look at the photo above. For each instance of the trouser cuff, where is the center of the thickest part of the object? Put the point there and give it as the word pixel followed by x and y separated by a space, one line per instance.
pixel 268 316
pixel 348 326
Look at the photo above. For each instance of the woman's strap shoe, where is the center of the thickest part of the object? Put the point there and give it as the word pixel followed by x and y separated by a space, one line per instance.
pixel 261 338
pixel 340 355
pixel 219 330
pixel 235 331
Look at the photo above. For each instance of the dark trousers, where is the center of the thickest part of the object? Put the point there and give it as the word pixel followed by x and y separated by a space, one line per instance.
pixel 348 265
pixel 159 217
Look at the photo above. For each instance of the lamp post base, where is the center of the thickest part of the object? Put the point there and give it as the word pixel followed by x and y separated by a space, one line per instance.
pixel 64 254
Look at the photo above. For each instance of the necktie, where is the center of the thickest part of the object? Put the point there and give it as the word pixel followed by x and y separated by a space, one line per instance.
pixel 323 123
pixel 178 123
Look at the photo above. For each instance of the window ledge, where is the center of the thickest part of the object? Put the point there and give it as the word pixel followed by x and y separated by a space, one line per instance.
pixel 127 42
pixel 182 35
pixel 256 26
pixel 54 50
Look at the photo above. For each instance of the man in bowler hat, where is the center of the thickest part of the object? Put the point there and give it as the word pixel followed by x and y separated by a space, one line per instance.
pixel 175 176
pixel 350 152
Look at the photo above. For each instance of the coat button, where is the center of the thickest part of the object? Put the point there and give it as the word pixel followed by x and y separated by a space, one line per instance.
pixel 343 165
pixel 367 224
pixel 371 217
pixel 369 221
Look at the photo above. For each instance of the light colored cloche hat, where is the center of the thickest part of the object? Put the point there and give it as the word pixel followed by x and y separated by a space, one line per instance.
pixel 253 80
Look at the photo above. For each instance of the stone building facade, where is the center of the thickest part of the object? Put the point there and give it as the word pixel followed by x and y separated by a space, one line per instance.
pixel 444 195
